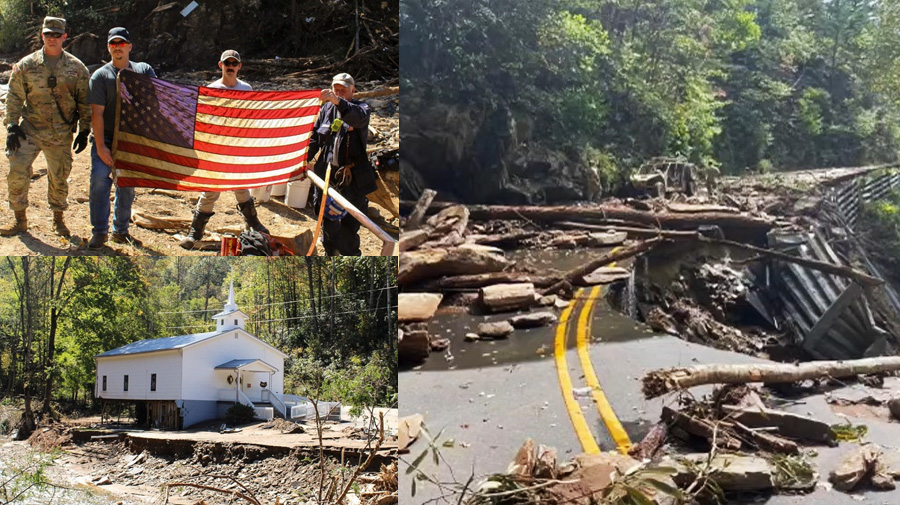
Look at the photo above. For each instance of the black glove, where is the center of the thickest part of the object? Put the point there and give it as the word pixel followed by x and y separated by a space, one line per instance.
pixel 14 137
pixel 81 141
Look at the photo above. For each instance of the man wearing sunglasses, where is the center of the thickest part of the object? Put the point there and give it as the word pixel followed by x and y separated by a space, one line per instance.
pixel 230 64
pixel 47 98
pixel 102 97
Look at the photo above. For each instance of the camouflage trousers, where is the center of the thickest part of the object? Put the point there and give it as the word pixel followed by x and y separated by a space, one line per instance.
pixel 208 199
pixel 59 164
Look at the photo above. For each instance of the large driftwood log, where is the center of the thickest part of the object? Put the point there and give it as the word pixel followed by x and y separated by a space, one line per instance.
pixel 481 280
pixel 421 265
pixel 577 274
pixel 748 225
pixel 659 382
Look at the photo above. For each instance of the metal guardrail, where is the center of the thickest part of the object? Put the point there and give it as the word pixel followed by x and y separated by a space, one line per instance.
pixel 830 314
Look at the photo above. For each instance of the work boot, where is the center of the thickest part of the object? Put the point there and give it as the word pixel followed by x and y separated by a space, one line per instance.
pixel 196 231
pixel 97 240
pixel 249 212
pixel 20 225
pixel 59 225
pixel 126 238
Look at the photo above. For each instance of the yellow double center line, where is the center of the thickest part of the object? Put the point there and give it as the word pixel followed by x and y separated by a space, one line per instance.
pixel 583 329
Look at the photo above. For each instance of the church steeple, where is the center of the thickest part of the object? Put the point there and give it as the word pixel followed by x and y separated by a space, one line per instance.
pixel 231 316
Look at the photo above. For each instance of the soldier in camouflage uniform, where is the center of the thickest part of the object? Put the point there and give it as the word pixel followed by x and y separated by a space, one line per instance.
pixel 47 96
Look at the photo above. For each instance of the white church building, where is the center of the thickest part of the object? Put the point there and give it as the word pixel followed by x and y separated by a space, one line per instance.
pixel 187 379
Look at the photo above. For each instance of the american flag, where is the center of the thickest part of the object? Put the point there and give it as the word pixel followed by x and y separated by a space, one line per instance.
pixel 204 139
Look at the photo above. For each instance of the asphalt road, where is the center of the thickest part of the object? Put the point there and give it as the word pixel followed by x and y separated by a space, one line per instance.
pixel 488 411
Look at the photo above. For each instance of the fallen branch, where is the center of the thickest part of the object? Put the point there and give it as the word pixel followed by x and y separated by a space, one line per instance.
pixel 750 226
pixel 660 382
pixel 368 460
pixel 378 92
pixel 830 268
pixel 476 281
pixel 238 494
pixel 604 260
pixel 421 207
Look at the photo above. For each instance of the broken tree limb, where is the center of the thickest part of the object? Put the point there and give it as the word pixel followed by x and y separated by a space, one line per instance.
pixel 842 271
pixel 716 435
pixel 421 207
pixel 481 280
pixel 631 231
pixel 754 227
pixel 660 382
pixel 393 90
pixel 578 273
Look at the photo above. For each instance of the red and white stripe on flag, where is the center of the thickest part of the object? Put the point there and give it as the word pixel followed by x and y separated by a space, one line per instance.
pixel 205 139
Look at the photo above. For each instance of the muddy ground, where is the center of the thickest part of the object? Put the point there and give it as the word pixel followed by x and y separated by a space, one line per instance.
pixel 117 471
pixel 281 219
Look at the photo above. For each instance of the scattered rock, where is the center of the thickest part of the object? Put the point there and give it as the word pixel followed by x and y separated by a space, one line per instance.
pixel 606 275
pixel 894 406
pixel 862 463
pixel 503 297
pixel 471 337
pixel 499 329
pixel 417 306
pixel 730 471
pixel 533 320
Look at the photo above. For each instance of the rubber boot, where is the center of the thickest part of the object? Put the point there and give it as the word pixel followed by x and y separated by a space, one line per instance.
pixel 196 231
pixel 20 225
pixel 249 211
pixel 59 224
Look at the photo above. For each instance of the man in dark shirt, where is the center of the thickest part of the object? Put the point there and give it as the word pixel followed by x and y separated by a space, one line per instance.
pixel 102 97
pixel 345 150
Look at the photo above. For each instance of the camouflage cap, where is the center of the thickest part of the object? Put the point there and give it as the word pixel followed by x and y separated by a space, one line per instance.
pixel 54 25
pixel 231 53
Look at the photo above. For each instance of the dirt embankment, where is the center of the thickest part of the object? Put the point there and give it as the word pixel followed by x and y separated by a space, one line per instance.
pixel 139 475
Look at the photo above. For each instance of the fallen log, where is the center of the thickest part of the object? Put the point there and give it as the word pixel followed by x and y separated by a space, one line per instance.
pixel 150 222
pixel 421 207
pixel 630 230
pixel 754 227
pixel 716 435
pixel 393 90
pixel 579 273
pixel 477 281
pixel 767 441
pixel 660 382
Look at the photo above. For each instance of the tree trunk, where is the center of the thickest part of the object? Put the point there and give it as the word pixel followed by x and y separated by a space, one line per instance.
pixel 627 252
pixel 312 292
pixel 659 382
pixel 753 228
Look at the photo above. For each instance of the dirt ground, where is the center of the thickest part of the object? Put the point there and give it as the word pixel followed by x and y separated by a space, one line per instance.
pixel 280 219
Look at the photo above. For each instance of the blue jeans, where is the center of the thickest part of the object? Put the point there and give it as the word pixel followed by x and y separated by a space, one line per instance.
pixel 101 185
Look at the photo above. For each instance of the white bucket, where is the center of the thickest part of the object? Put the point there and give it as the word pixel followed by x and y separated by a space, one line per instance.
pixel 261 194
pixel 279 189
pixel 297 193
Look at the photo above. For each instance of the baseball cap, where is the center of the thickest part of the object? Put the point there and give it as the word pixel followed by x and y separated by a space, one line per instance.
pixel 54 25
pixel 231 53
pixel 118 33
pixel 344 80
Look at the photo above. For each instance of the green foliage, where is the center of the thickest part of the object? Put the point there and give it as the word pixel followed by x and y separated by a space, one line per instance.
pixel 767 84
pixel 239 414
pixel 849 432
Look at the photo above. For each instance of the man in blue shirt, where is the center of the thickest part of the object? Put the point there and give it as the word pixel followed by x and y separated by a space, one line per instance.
pixel 102 97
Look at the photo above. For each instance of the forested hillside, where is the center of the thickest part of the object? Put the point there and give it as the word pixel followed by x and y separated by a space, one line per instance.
pixel 744 84
pixel 57 313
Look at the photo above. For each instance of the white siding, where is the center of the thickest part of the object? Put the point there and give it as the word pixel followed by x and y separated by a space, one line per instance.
pixel 202 381
pixel 165 364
